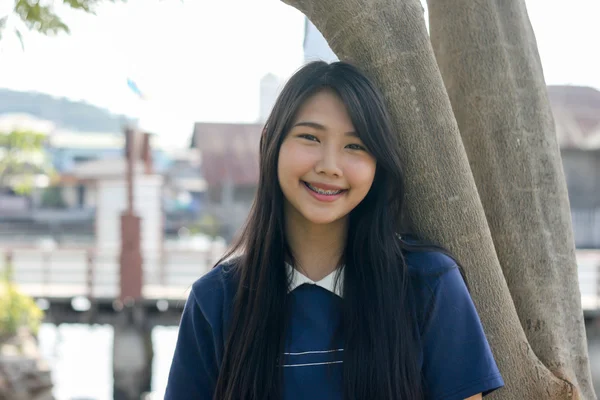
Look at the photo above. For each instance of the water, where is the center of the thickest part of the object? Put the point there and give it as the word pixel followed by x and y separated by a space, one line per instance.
pixel 80 357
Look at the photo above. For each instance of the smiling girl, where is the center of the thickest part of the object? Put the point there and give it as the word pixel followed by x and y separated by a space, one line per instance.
pixel 323 299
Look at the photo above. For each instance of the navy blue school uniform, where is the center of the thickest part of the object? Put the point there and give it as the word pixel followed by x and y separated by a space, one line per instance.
pixel 456 361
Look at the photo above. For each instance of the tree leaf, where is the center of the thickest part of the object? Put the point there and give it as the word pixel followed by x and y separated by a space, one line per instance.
pixel 20 37
pixel 23 157
pixel 40 18
pixel 43 19
pixel 2 25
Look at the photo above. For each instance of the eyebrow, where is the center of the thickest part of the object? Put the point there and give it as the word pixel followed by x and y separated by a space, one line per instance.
pixel 320 127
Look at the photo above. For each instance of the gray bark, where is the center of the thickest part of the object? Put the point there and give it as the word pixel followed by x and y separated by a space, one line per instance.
pixel 488 57
pixel 388 40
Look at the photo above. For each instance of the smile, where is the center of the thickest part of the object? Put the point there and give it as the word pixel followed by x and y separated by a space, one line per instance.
pixel 323 191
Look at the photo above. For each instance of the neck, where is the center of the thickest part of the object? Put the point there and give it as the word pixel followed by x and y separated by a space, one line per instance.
pixel 317 249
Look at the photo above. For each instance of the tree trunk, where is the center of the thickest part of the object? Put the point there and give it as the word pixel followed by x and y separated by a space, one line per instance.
pixel 488 57
pixel 388 40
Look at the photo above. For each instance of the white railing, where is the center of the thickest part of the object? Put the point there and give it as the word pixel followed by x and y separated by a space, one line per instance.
pixel 80 271
pixel 588 262
pixel 71 272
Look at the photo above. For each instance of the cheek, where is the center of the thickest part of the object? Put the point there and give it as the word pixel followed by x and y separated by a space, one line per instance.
pixel 282 172
pixel 287 166
pixel 293 162
pixel 361 174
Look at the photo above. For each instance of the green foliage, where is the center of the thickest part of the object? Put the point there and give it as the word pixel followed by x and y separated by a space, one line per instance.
pixel 22 157
pixel 2 25
pixel 23 140
pixel 40 16
pixel 208 225
pixel 17 310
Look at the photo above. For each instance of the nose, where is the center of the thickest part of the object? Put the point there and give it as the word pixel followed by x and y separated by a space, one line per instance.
pixel 329 163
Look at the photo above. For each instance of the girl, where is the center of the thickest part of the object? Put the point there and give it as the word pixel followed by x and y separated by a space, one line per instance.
pixel 324 300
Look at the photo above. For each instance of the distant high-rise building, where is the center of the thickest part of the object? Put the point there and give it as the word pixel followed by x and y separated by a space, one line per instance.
pixel 315 45
pixel 270 85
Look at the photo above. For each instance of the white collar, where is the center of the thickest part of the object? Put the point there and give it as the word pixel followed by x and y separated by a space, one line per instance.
pixel 327 283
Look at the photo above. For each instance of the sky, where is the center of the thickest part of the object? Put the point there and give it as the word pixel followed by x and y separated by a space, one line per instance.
pixel 202 60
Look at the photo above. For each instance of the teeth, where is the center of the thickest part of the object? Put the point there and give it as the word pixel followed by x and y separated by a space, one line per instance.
pixel 321 191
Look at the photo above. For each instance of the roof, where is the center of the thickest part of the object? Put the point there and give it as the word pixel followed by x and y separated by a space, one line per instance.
pixel 576 111
pixel 80 140
pixel 105 168
pixel 228 150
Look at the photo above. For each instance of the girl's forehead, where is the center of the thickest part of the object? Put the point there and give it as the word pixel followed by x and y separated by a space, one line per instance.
pixel 324 109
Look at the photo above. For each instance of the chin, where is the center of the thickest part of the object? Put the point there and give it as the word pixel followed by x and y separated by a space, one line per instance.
pixel 322 219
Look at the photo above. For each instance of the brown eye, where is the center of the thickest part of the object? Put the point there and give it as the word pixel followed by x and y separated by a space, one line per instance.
pixel 355 147
pixel 306 136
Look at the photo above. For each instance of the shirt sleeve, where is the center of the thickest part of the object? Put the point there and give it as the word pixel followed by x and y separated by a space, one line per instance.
pixel 194 370
pixel 457 360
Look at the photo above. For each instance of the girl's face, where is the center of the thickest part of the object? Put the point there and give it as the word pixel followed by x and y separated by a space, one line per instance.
pixel 324 169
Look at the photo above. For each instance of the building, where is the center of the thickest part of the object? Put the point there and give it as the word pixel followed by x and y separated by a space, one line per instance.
pixel 71 152
pixel 184 190
pixel 576 112
pixel 66 210
pixel 230 168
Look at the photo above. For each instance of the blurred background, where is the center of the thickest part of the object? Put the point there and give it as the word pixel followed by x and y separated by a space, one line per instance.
pixel 143 124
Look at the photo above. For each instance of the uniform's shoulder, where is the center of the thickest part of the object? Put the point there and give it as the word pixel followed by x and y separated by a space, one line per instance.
pixel 426 261
pixel 207 313
pixel 216 284
pixel 429 263
pixel 429 269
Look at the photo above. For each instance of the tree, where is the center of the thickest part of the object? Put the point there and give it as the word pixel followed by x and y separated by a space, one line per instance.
pixel 22 158
pixel 484 174
pixel 42 17
pixel 17 310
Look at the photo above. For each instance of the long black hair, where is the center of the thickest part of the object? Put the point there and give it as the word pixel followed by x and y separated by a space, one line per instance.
pixel 381 353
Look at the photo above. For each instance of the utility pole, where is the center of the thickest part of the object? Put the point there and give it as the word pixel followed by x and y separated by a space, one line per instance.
pixel 132 340
pixel 131 257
